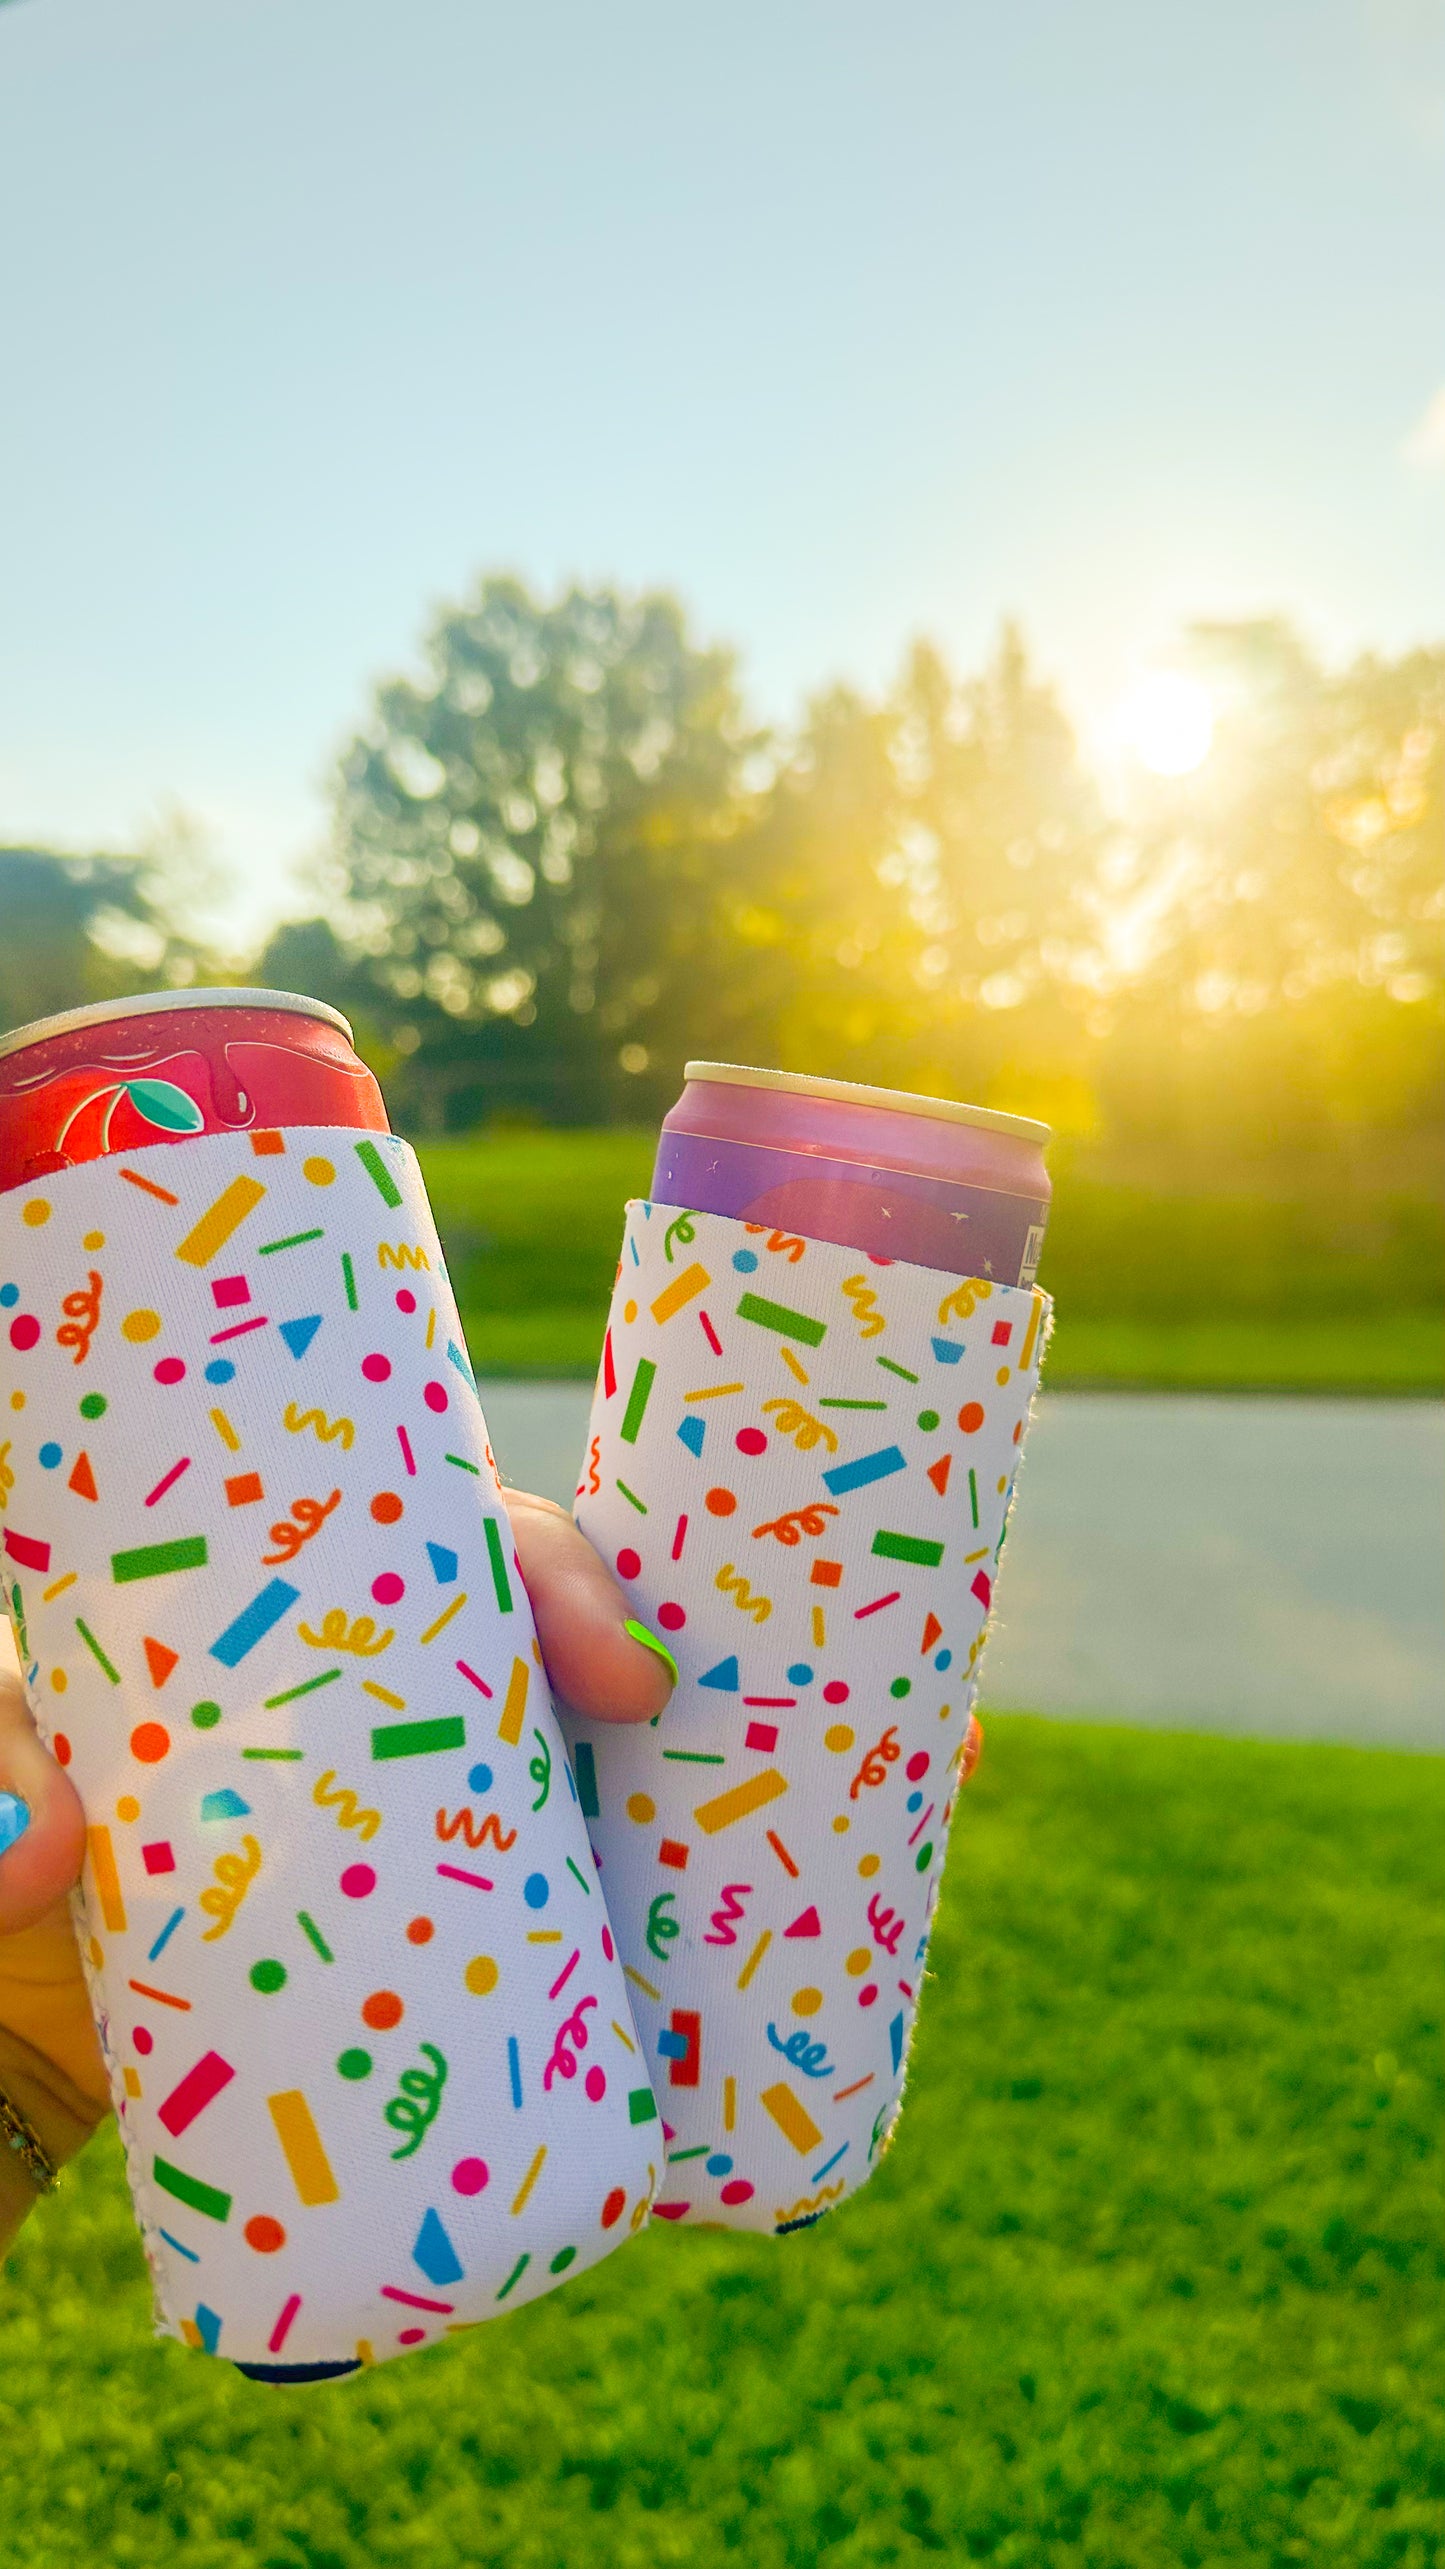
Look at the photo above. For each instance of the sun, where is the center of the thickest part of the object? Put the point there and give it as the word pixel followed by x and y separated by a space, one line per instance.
pixel 1168 722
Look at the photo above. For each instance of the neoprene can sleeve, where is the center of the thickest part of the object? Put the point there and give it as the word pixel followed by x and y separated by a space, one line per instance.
pixel 800 1463
pixel 368 2037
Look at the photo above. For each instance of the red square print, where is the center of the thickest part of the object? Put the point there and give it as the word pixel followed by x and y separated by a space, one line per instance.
pixel 763 1735
pixel 673 1852
pixel 158 1858
pixel 1003 1331
pixel 227 1291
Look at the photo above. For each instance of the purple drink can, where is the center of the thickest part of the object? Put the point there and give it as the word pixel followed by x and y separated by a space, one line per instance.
pixel 961 1188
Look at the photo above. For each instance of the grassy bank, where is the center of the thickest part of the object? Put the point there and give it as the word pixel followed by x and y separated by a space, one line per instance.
pixel 1334 1287
pixel 1152 2275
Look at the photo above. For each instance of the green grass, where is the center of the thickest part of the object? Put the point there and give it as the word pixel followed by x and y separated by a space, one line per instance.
pixel 1152 2275
pixel 1401 1352
pixel 1331 1292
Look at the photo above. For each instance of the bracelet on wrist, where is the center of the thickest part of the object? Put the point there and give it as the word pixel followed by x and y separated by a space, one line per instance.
pixel 20 2136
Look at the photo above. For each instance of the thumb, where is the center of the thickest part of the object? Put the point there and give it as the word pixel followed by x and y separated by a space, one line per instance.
pixel 50 2062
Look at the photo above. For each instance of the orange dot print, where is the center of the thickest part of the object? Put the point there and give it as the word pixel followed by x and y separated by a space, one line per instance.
pixel 150 1742
pixel 386 1507
pixel 264 2235
pixel 420 1932
pixel 970 1417
pixel 382 2010
pixel 720 1503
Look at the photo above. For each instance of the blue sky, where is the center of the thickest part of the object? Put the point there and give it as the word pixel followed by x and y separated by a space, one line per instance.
pixel 847 321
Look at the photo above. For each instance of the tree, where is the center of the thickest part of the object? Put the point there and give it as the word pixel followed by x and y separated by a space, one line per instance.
pixel 80 928
pixel 528 843
pixel 1005 837
pixel 1292 980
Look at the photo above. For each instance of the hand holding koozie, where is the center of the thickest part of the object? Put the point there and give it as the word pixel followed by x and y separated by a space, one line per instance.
pixel 368 2038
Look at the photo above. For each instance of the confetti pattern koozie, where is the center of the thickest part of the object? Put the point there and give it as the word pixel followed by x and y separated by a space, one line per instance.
pixel 800 1464
pixel 368 2039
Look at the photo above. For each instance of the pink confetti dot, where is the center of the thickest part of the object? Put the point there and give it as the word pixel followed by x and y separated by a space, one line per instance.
pixel 24 1330
pixel 469 2176
pixel 388 1588
pixel 737 2190
pixel 170 1370
pixel 410 2336
pixel 143 2040
pixel 671 1617
pixel 435 1396
pixel 867 1995
pixel 608 1948
pixel 596 2084
pixel 628 1562
pixel 377 1369
pixel 835 1692
pixel 405 1300
pixel 751 1440
pixel 358 1881
pixel 917 1765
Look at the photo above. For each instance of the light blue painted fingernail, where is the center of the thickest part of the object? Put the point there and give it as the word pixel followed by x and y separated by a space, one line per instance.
pixel 14 1820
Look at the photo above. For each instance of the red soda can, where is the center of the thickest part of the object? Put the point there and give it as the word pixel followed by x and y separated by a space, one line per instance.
pixel 128 1073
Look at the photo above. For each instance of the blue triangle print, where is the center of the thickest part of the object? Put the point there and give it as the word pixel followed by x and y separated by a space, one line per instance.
pixel 724 1677
pixel 947 1350
pixel 298 1334
pixel 443 1562
pixel 224 1805
pixel 691 1432
pixel 435 2254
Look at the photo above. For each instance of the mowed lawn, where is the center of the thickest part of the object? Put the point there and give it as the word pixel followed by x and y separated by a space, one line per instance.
pixel 1154 2272
pixel 1323 1291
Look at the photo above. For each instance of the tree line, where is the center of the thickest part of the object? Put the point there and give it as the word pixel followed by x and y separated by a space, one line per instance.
pixel 565 856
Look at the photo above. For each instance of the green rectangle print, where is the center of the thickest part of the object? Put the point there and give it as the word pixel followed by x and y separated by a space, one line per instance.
pixel 642 1382
pixel 152 1560
pixel 498 1560
pixel 788 1324
pixel 418 1739
pixel 201 2198
pixel 907 1547
pixel 379 1174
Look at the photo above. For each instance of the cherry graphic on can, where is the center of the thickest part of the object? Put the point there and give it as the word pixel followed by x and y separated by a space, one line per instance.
pixel 130 1072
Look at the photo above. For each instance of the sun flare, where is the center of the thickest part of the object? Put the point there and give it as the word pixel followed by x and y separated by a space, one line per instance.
pixel 1168 721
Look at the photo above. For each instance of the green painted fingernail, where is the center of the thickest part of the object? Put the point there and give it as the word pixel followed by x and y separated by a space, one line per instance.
pixel 650 1641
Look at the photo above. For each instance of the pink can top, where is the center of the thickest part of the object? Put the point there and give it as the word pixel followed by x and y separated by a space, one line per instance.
pixel 961 1188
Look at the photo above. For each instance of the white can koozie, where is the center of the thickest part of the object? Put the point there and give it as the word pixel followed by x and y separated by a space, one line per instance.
pixel 800 1464
pixel 368 2038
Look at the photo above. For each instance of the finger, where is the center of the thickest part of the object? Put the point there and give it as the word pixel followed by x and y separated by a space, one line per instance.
pixel 594 1663
pixel 42 1830
pixel 43 2002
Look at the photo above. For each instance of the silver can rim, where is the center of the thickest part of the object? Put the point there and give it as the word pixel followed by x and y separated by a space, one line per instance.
pixel 849 1092
pixel 160 1003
